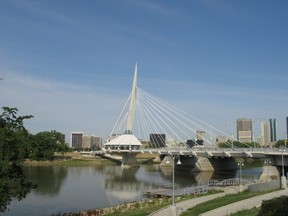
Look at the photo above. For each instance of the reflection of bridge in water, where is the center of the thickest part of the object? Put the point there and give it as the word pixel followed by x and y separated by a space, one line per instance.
pixel 168 131
pixel 131 183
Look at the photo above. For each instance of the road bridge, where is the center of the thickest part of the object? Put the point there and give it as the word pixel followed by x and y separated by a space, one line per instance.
pixel 206 159
pixel 150 120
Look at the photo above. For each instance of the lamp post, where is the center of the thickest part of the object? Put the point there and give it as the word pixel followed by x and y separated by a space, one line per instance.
pixel 283 178
pixel 240 164
pixel 173 207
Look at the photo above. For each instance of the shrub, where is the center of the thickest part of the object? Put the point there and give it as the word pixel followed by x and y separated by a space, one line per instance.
pixel 274 207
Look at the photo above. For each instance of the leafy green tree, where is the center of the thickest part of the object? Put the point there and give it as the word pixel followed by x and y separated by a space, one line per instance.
pixel 237 144
pixel 45 143
pixel 14 139
pixel 280 143
pixel 13 184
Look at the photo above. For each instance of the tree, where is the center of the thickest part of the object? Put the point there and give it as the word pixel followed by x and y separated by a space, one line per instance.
pixel 45 143
pixel 280 143
pixel 13 184
pixel 14 139
pixel 237 144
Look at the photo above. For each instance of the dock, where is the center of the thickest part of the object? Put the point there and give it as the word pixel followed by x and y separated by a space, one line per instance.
pixel 162 192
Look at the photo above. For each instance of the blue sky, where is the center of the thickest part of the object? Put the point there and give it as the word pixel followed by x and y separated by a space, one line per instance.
pixel 70 63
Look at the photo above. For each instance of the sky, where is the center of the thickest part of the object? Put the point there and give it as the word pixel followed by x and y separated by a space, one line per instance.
pixel 70 63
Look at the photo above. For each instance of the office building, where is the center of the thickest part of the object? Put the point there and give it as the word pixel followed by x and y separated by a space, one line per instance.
pixel 264 139
pixel 200 137
pixel 81 140
pixel 91 142
pixel 76 139
pixel 273 129
pixel 287 128
pixel 158 140
pixel 244 130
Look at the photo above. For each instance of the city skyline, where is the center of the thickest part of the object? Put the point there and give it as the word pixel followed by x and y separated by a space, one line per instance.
pixel 71 64
pixel 262 132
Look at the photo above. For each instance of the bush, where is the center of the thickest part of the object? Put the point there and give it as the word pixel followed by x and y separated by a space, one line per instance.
pixel 274 207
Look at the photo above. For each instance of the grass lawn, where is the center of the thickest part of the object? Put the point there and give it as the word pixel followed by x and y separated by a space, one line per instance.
pixel 245 212
pixel 221 201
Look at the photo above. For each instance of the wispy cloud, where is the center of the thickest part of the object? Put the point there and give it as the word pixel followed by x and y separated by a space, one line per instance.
pixel 61 106
pixel 68 107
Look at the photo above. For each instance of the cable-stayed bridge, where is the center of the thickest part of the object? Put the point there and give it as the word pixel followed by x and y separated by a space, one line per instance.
pixel 148 124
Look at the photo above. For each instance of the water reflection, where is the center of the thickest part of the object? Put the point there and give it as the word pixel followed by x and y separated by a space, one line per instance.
pixel 13 184
pixel 121 184
pixel 48 179
pixel 72 189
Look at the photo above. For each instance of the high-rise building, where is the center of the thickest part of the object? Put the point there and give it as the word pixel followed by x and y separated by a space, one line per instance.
pixel 200 137
pixel 91 141
pixel 264 134
pixel 158 140
pixel 76 139
pixel 81 140
pixel 273 129
pixel 244 130
pixel 287 128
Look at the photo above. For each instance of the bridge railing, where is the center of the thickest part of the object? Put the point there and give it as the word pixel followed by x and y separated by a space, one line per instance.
pixel 203 149
pixel 204 188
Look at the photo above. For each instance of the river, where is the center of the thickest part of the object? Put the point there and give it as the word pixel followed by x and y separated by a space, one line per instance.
pixel 71 189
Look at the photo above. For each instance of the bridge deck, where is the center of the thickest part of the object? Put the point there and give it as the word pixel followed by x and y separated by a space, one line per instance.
pixel 209 152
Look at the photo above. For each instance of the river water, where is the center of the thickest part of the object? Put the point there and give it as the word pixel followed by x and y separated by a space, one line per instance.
pixel 71 189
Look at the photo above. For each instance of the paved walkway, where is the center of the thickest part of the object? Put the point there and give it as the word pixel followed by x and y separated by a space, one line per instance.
pixel 184 205
pixel 244 204
pixel 225 210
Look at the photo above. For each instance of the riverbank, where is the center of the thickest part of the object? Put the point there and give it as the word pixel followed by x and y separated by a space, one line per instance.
pixel 69 159
pixel 228 199
pixel 76 159
pixel 139 208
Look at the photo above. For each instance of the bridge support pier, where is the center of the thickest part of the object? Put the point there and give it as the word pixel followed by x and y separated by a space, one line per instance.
pixel 202 164
pixel 129 159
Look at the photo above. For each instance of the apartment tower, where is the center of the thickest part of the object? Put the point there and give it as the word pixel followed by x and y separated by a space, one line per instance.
pixel 273 129
pixel 244 130
pixel 76 139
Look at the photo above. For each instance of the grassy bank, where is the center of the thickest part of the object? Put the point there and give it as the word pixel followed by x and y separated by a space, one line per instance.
pixel 70 159
pixel 140 208
pixel 144 208
pixel 76 159
pixel 68 162
pixel 221 201
pixel 245 212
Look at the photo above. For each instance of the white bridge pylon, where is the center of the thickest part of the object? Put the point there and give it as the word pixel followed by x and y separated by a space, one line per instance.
pixel 126 141
pixel 158 124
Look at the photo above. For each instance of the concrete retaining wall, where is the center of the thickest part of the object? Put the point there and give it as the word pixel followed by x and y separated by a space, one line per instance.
pixel 272 185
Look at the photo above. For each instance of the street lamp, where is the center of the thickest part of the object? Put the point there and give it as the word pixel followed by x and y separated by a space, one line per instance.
pixel 283 178
pixel 173 207
pixel 240 164
pixel 267 162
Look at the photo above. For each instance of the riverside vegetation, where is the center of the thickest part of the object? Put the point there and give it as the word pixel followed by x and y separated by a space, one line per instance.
pixel 16 145
pixel 146 207
pixel 139 208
